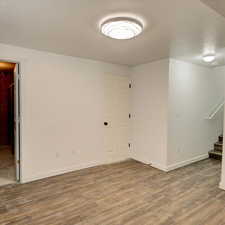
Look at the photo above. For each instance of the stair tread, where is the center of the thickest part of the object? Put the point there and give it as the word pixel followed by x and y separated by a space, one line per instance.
pixel 215 152
pixel 219 143
pixel 220 139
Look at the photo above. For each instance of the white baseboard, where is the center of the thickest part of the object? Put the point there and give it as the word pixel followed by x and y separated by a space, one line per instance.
pixel 158 166
pixel 173 166
pixel 222 185
pixel 187 162
pixel 152 164
pixel 75 168
pixel 142 161
pixel 68 169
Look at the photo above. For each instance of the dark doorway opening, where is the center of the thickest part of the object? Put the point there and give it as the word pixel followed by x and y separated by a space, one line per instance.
pixel 7 136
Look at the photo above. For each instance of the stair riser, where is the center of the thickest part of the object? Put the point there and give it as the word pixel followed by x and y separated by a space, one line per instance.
pixel 218 148
pixel 215 156
pixel 217 152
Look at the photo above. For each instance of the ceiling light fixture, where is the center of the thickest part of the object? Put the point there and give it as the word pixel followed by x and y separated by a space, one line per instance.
pixel 209 58
pixel 121 28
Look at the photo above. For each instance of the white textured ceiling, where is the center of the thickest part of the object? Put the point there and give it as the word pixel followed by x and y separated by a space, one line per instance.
pixel 184 29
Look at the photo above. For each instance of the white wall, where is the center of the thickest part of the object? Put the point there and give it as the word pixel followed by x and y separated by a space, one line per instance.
pixel 65 102
pixel 170 100
pixel 193 92
pixel 222 181
pixel 150 113
pixel 220 72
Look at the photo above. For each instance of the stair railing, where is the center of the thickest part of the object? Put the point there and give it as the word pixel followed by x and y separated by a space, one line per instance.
pixel 215 110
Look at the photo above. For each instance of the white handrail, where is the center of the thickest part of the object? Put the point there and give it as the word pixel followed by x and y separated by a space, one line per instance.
pixel 215 110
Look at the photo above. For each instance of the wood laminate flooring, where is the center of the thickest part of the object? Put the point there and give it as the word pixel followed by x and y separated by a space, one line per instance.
pixel 127 193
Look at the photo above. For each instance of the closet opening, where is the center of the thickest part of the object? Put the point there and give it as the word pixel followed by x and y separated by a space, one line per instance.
pixel 9 123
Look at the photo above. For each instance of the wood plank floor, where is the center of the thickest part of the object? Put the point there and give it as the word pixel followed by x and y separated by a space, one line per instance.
pixel 127 193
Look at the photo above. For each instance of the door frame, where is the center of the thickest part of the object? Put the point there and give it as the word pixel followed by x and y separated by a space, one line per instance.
pixel 17 104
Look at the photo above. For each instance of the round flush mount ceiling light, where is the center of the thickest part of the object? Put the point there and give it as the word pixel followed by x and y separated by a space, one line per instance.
pixel 209 58
pixel 121 28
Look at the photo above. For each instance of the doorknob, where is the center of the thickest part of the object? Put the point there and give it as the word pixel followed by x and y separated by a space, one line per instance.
pixel 106 123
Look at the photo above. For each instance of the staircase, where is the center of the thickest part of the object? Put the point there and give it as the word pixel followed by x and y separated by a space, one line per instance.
pixel 217 152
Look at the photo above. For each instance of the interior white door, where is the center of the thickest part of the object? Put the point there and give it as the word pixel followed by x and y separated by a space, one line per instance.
pixel 116 117
pixel 17 120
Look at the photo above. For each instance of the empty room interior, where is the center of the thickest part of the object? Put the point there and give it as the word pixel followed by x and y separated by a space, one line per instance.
pixel 112 112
